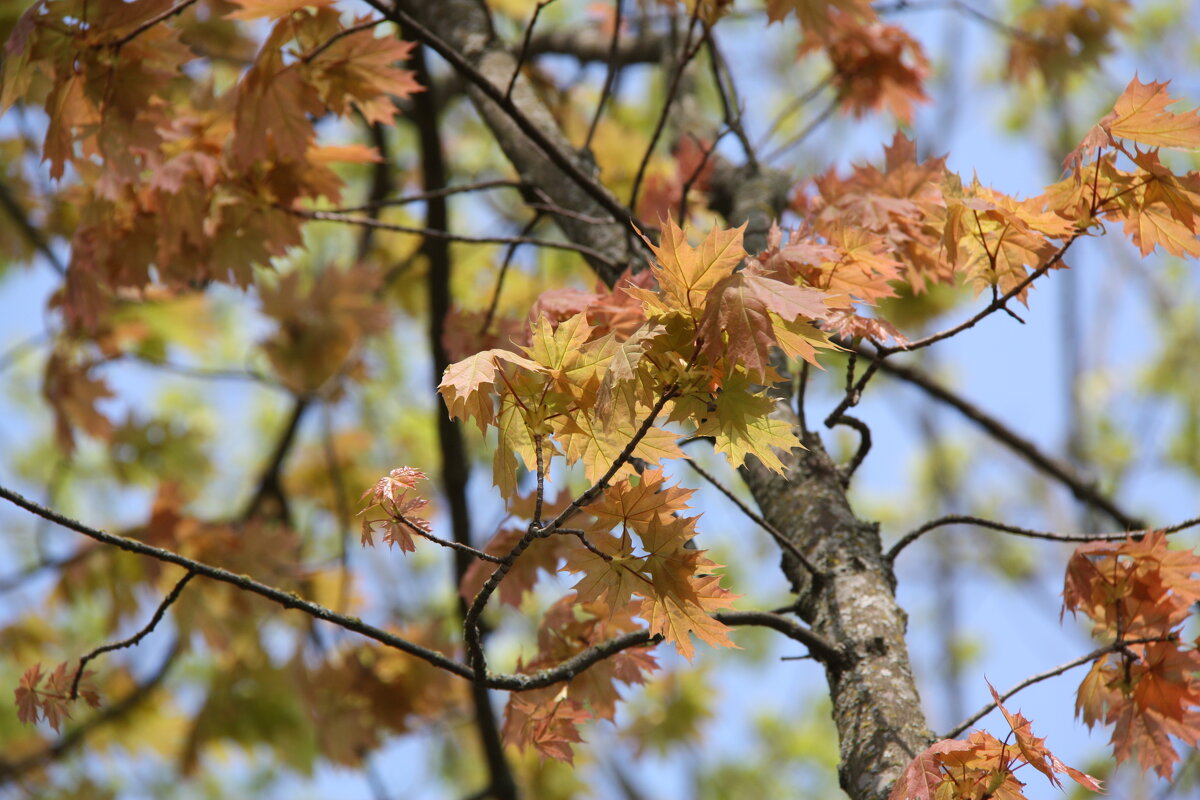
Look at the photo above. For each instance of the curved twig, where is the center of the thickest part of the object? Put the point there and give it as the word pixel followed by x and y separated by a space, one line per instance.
pixel 1029 533
pixel 289 600
pixel 758 520
pixel 330 216
pixel 171 597
pixel 1050 673
pixel 1083 490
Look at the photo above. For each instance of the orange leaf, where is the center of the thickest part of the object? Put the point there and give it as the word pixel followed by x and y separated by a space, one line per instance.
pixel 1141 115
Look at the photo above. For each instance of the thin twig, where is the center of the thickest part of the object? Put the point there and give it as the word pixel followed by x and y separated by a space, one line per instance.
pixel 459 546
pixel 150 23
pixel 997 304
pixel 270 484
pixel 75 735
pixel 610 76
pixel 795 106
pixel 461 65
pixel 821 648
pixel 504 265
pixel 689 52
pixel 362 26
pixel 337 485
pixel 691 179
pixel 29 230
pixel 433 194
pixel 1082 490
pixel 475 653
pixel 1050 673
pixel 1029 533
pixel 171 597
pixel 758 520
pixel 731 111
pixel 330 216
pixel 15 580
pixel 521 56
pixel 289 600
pixel 806 131
pixel 19 350
pixel 864 445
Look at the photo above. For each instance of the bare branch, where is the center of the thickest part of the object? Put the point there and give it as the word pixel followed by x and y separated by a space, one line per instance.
pixel 610 75
pixel 321 48
pixel 1083 490
pixel 1050 673
pixel 178 8
pixel 29 230
pixel 998 304
pixel 1029 533
pixel 270 484
pixel 592 44
pixel 433 194
pixel 508 257
pixel 779 538
pixel 330 216
pixel 289 600
pixel 525 47
pixel 171 597
pixel 689 52
pixel 585 182
pixel 821 648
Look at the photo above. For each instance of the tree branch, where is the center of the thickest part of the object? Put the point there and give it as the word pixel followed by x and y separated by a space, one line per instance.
pixel 1001 302
pixel 591 44
pixel 166 603
pixel 1029 533
pixel 270 485
pixel 432 233
pixel 1082 490
pixel 820 647
pixel 779 538
pixel 28 230
pixel 289 600
pixel 1050 673
pixel 463 26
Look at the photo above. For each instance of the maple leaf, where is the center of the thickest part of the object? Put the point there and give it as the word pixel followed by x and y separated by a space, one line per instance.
pixel 390 495
pixel 740 426
pixel 743 314
pixel 28 702
pixel 611 573
pixel 674 617
pixel 570 626
pixel 1140 115
pixel 1163 680
pixel 923 775
pixel 547 719
pixel 359 67
pixel 542 554
pixel 73 393
pixel 608 311
pixel 597 443
pixel 817 15
pixel 874 65
pixel 686 273
pixel 467 385
pixel 274 102
pixel 1097 700
pixel 627 503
